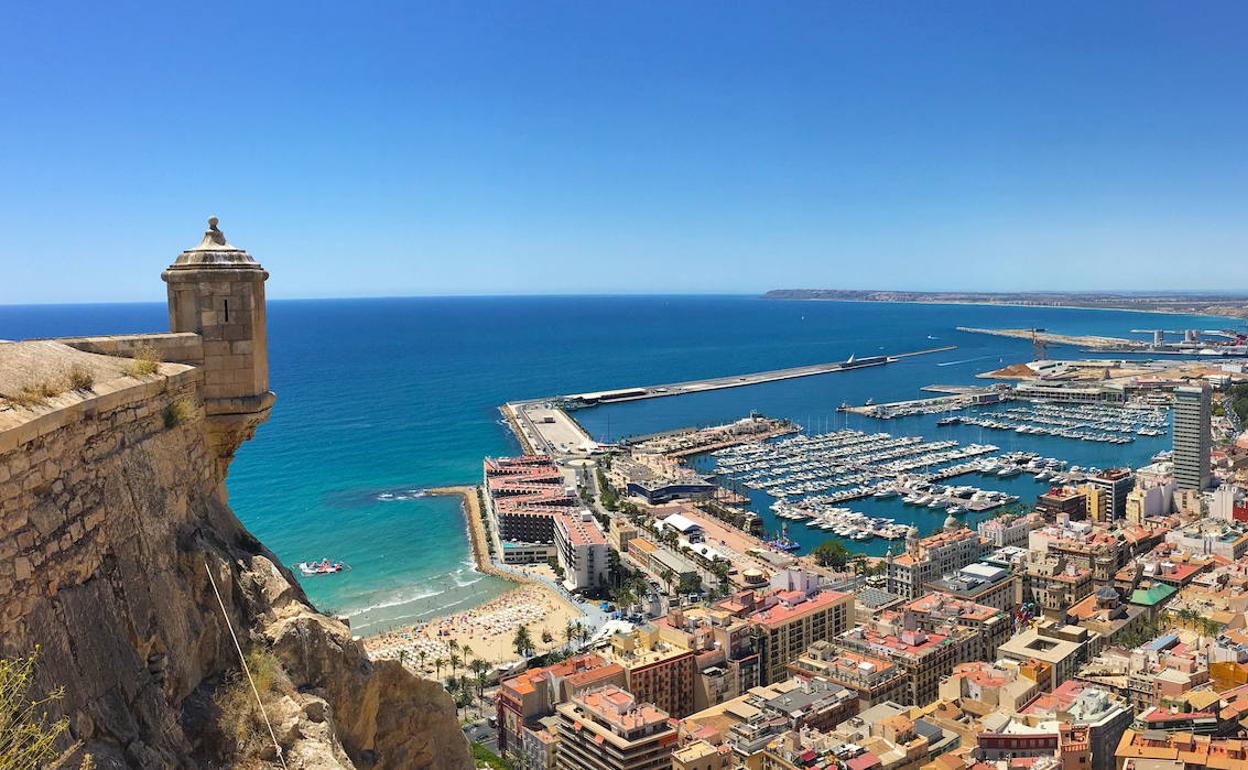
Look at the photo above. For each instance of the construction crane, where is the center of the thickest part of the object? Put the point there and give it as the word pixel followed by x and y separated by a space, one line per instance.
pixel 1038 345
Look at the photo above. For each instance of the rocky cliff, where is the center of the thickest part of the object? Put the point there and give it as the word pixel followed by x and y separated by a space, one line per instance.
pixel 114 526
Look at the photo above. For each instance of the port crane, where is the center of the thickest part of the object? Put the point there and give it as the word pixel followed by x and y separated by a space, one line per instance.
pixel 1038 345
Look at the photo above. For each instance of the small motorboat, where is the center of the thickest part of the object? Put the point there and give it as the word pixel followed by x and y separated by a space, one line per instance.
pixel 322 567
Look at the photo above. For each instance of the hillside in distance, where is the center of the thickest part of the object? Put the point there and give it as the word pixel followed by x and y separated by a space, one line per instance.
pixel 1210 303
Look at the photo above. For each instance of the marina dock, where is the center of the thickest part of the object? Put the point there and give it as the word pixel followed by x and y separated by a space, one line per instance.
pixel 811 477
pixel 959 397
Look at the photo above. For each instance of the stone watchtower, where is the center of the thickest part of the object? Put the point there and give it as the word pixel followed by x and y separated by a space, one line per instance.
pixel 216 290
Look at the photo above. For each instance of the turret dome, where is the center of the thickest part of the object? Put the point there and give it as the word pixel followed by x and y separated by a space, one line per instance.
pixel 214 251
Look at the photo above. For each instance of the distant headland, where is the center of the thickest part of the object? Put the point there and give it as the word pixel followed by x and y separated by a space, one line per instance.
pixel 1199 303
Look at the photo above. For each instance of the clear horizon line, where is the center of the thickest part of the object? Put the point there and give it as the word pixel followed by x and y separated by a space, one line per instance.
pixel 647 293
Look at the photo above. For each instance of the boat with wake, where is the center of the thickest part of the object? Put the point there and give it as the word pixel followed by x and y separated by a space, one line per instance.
pixel 322 567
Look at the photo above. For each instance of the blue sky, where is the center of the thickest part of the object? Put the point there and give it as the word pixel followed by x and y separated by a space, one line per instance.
pixel 491 147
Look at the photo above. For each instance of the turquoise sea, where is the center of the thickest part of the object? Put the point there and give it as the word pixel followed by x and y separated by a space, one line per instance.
pixel 381 398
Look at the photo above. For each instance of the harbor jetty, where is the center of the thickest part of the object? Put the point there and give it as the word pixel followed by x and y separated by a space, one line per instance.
pixel 543 425
pixel 1087 341
pixel 737 381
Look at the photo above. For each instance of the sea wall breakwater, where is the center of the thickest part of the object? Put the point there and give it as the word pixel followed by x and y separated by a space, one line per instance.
pixel 384 398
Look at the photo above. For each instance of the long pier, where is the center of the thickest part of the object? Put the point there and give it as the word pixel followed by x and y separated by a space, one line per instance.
pixel 737 381
pixel 1093 342
pixel 543 424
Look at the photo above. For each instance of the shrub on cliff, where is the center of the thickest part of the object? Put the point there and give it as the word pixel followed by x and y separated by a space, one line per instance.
pixel 80 379
pixel 178 412
pixel 34 395
pixel 146 361
pixel 243 734
pixel 27 735
pixel 38 393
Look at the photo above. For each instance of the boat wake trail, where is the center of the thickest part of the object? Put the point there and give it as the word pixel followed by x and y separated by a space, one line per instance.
pixel 965 361
pixel 405 494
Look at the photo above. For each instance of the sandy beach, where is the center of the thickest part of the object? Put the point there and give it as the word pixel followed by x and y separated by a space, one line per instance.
pixel 488 629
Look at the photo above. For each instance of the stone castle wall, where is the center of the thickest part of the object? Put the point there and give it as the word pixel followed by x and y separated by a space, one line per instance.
pixel 179 347
pixel 59 475
pixel 112 514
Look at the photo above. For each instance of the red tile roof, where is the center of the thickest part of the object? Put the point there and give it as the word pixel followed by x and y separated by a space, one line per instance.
pixel 780 614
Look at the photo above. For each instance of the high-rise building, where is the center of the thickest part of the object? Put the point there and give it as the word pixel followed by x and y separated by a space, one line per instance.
pixel 609 729
pixel 526 698
pixel 657 671
pixel 1108 490
pixel 1191 437
pixel 786 628
pixel 581 548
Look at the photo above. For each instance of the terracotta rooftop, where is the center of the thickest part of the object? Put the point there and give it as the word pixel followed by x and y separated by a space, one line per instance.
pixel 780 614
pixel 946 605
pixel 945 538
pixel 580 670
pixel 618 708
pixel 1192 750
pixel 919 643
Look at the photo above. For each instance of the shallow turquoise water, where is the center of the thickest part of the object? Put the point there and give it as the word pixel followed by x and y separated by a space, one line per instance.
pixel 396 395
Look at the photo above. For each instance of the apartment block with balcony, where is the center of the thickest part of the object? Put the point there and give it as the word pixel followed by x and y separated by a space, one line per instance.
pixel 872 679
pixel 609 729
pixel 990 625
pixel 524 699
pixel 656 670
pixel 581 548
pixel 930 558
pixel 923 657
pixel 792 621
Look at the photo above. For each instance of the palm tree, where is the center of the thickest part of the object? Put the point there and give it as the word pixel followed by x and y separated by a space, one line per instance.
pixel 454 661
pixel 668 576
pixel 403 658
pixel 624 598
pixel 522 641
pixel 454 645
pixel 569 631
pixel 479 668
pixel 481 687
pixel 452 686
pixel 466 651
pixel 1187 616
pixel 422 655
pixel 613 565
pixel 438 663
